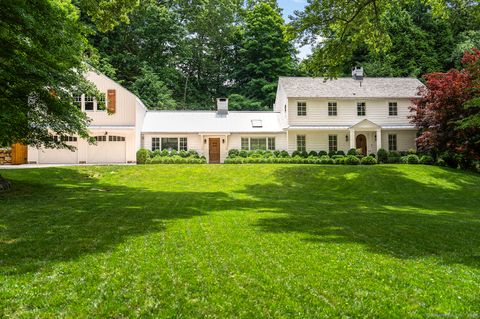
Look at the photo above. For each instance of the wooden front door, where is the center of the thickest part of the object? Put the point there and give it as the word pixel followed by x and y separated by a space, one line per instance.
pixel 19 154
pixel 214 150
pixel 362 143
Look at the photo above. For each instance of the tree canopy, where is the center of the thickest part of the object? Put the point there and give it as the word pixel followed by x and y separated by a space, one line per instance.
pixel 44 50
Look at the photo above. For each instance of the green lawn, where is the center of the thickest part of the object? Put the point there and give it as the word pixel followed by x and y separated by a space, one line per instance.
pixel 389 241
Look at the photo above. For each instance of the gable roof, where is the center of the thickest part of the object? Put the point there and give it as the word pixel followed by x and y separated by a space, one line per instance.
pixel 211 122
pixel 305 87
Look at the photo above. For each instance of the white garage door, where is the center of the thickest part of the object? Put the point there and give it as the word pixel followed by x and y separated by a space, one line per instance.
pixel 59 156
pixel 109 149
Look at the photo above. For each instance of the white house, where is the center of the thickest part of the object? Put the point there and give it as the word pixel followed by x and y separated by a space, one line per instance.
pixel 309 114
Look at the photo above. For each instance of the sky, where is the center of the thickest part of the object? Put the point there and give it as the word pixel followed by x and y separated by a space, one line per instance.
pixel 289 6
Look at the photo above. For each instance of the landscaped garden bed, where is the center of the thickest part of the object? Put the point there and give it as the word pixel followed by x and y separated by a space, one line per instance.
pixel 322 157
pixel 145 156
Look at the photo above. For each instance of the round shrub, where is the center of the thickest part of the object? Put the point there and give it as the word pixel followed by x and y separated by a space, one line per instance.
pixel 183 154
pixel 243 154
pixel 322 153
pixel 142 156
pixel 173 153
pixel 368 160
pixel 326 160
pixel 276 153
pixel 412 159
pixel 284 154
pixel 268 154
pixel 382 155
pixel 332 153
pixel 156 153
pixel 304 154
pixel 373 155
pixel 341 153
pixel 164 153
pixel 339 160
pixel 193 153
pixel 351 160
pixel 296 153
pixel 426 160
pixel 352 151
pixel 233 152
pixel 312 153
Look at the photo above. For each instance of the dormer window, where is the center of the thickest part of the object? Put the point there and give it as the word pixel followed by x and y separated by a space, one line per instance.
pixel 257 124
pixel 302 108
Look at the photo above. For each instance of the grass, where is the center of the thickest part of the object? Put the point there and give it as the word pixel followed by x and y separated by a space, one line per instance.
pixel 390 241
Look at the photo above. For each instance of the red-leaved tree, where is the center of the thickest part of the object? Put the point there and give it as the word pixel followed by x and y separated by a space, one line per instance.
pixel 448 112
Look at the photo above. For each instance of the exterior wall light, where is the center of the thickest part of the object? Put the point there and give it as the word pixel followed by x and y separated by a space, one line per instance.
pixel 346 138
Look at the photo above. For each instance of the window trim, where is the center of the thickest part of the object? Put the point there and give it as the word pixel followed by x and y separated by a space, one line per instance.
pixel 396 109
pixel 269 142
pixel 301 109
pixel 332 140
pixel 155 142
pixel 364 108
pixel 392 141
pixel 334 105
pixel 304 146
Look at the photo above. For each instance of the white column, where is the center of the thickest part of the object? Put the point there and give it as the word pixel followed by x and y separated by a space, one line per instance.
pixel 352 138
pixel 379 139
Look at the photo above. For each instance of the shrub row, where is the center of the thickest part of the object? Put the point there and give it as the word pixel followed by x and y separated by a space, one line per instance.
pixel 176 159
pixel 324 159
pixel 145 156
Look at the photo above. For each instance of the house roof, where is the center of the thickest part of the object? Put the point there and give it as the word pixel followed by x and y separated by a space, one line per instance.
pixel 305 87
pixel 211 122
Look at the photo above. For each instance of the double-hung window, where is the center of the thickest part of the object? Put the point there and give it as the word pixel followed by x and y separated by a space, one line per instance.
pixel 89 103
pixel 392 109
pixel 155 143
pixel 392 142
pixel 245 144
pixel 332 143
pixel 302 108
pixel 301 143
pixel 361 109
pixel 332 108
pixel 183 146
pixel 258 143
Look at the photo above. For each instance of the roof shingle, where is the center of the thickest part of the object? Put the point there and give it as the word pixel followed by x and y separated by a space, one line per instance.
pixel 305 87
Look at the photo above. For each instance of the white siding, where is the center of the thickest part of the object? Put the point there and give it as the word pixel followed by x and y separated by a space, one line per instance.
pixel 376 111
pixel 317 140
pixel 405 139
pixel 125 102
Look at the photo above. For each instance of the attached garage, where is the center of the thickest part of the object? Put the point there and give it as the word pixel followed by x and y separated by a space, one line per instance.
pixel 109 149
pixel 60 156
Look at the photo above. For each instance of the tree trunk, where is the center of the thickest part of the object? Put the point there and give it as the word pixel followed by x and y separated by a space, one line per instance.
pixel 4 184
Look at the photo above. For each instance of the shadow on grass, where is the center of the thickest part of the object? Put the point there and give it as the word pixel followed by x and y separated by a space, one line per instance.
pixel 402 213
pixel 405 214
pixel 74 214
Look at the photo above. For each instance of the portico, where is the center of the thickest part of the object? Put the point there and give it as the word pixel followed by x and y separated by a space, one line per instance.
pixel 367 136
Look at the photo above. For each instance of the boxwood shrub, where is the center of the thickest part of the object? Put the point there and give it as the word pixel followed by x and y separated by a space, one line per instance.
pixel 326 160
pixel 382 155
pixel 368 160
pixel 352 151
pixel 312 153
pixel 412 159
pixel 176 159
pixel 351 160
pixel 322 153
pixel 426 160
pixel 142 155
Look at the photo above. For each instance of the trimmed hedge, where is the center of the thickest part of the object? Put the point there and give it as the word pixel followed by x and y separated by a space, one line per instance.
pixel 176 159
pixel 368 160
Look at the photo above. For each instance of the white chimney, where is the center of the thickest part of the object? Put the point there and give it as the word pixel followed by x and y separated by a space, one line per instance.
pixel 357 73
pixel 222 106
